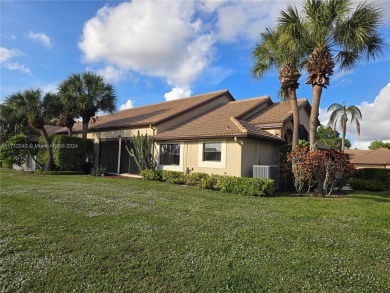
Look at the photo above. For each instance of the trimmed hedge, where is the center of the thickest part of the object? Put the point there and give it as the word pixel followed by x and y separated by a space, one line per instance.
pixel 69 152
pixel 363 184
pixel 154 175
pixel 382 175
pixel 228 184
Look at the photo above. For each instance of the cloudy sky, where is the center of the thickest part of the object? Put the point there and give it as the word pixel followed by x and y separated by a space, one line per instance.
pixel 152 51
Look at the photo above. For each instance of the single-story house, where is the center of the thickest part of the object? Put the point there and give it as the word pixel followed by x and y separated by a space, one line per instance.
pixel 211 133
pixel 379 158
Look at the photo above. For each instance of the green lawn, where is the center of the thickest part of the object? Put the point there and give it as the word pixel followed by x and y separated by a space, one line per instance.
pixel 95 234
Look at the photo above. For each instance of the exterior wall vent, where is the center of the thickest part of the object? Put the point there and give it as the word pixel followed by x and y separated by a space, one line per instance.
pixel 267 172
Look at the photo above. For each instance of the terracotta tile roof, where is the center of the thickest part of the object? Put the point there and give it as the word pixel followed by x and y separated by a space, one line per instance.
pixel 151 114
pixel 223 121
pixel 50 129
pixel 276 113
pixel 379 156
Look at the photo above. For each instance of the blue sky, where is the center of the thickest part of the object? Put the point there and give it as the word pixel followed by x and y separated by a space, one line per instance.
pixel 152 51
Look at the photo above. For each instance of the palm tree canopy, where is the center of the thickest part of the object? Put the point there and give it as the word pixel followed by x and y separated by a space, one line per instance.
pixel 87 93
pixel 38 107
pixel 342 112
pixel 351 35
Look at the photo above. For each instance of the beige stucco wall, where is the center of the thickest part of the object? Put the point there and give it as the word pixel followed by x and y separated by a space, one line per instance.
pixel 191 150
pixel 237 157
pixel 361 166
pixel 304 118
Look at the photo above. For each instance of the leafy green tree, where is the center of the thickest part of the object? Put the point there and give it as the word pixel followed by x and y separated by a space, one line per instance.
pixel 14 150
pixel 333 32
pixel 36 106
pixel 331 138
pixel 379 144
pixel 84 95
pixel 12 123
pixel 340 113
pixel 274 51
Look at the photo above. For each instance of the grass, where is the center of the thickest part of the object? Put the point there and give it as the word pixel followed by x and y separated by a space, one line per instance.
pixel 95 234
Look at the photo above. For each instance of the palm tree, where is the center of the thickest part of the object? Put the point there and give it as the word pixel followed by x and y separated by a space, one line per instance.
pixel 331 27
pixel 36 107
pixel 277 50
pixel 341 112
pixel 90 94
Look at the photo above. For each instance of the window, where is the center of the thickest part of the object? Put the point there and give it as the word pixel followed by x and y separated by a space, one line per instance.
pixel 212 152
pixel 170 154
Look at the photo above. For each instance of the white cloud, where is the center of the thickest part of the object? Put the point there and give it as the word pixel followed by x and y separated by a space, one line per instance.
pixel 129 104
pixel 116 74
pixel 130 35
pixel 42 38
pixel 178 93
pixel 7 54
pixel 375 123
pixel 18 67
pixel 244 20
pixel 173 40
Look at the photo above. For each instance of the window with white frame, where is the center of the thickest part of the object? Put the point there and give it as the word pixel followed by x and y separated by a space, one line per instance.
pixel 170 154
pixel 212 152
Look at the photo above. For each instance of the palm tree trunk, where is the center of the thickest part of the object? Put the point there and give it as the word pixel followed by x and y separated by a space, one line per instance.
pixel 292 94
pixel 85 128
pixel 316 98
pixel 50 160
pixel 344 133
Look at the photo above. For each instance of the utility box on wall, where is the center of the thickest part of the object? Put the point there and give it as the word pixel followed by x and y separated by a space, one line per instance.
pixel 267 172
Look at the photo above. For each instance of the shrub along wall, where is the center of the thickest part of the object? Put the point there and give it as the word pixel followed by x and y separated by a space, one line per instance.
pixel 227 184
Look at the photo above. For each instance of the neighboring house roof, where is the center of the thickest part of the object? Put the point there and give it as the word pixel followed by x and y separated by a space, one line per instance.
pixel 227 120
pixel 50 129
pixel 276 114
pixel 379 156
pixel 151 114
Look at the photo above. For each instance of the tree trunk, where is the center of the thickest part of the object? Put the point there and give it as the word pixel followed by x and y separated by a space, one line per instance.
pixel 315 107
pixel 70 131
pixel 292 94
pixel 50 160
pixel 85 128
pixel 344 133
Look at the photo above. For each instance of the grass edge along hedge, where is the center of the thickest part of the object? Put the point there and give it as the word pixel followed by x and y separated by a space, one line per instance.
pixel 227 184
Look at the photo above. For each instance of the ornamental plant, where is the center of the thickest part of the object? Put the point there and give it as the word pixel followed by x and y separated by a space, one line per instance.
pixel 328 168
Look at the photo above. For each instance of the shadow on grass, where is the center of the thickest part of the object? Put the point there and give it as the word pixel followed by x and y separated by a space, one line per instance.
pixel 380 196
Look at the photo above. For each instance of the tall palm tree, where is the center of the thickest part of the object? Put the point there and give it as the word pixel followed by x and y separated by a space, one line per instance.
pixel 34 105
pixel 342 112
pixel 90 93
pixel 334 33
pixel 276 50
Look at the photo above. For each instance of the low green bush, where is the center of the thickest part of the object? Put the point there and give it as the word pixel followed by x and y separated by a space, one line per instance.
pixel 382 175
pixel 196 178
pixel 245 186
pixel 364 184
pixel 151 174
pixel 98 171
pixel 173 177
pixel 227 184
